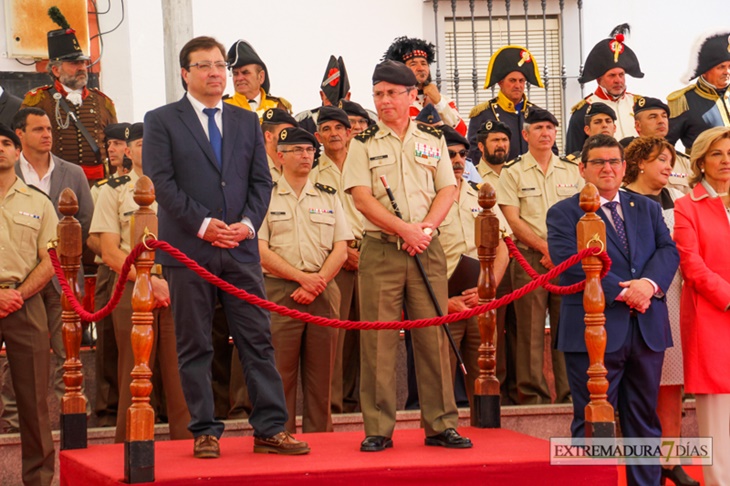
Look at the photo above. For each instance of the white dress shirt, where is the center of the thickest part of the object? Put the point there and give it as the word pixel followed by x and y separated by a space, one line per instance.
pixel 31 176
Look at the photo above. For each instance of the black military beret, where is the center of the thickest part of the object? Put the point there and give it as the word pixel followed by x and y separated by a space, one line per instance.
pixel 116 131
pixel 5 131
pixel 453 137
pixel 277 116
pixel 491 126
pixel 135 131
pixel 394 72
pixel 599 109
pixel 296 136
pixel 429 115
pixel 646 103
pixel 331 113
pixel 536 115
pixel 353 109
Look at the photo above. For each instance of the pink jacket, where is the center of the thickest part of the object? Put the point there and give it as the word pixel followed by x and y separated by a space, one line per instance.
pixel 702 234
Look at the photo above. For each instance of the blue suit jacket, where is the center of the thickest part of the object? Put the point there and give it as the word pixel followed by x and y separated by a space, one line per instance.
pixel 652 254
pixel 189 185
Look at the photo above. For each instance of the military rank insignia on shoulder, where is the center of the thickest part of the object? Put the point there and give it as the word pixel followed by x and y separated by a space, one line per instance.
pixel 119 181
pixel 513 161
pixel 474 185
pixel 367 133
pixel 479 108
pixel 100 182
pixel 677 101
pixel 570 158
pixel 429 129
pixel 325 188
pixel 40 191
pixel 579 105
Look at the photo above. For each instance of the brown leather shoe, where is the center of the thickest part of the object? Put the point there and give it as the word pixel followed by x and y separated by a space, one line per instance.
pixel 281 443
pixel 206 447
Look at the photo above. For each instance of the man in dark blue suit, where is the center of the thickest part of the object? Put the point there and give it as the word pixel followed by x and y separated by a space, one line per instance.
pixel 644 260
pixel 208 163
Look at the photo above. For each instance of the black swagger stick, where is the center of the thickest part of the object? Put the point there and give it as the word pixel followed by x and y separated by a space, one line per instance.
pixel 422 271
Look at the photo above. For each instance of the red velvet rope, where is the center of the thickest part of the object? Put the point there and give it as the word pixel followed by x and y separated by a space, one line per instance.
pixel 303 316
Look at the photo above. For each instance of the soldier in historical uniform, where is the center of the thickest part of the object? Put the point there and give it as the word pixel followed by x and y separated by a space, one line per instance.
pixel 706 103
pixel 302 242
pixel 333 133
pixel 335 86
pixel 251 81
pixel 413 157
pixel 651 117
pixel 418 55
pixel 528 187
pixel 608 63
pixel 78 114
pixel 27 222
pixel 112 221
pixel 510 68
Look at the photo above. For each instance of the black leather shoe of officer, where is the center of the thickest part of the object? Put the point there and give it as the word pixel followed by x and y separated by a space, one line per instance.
pixel 450 439
pixel 375 443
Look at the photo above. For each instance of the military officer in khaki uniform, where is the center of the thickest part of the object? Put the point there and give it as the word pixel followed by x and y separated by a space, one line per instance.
pixel 414 159
pixel 528 186
pixel 27 222
pixel 302 243
pixel 333 132
pixel 457 238
pixel 273 121
pixel 112 221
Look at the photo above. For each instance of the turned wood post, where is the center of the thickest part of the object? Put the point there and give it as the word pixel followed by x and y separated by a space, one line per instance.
pixel 591 231
pixel 139 446
pixel 485 411
pixel 73 403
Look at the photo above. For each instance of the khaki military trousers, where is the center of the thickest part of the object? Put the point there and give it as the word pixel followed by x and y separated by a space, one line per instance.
pixel 309 347
pixel 389 281
pixel 106 355
pixel 347 282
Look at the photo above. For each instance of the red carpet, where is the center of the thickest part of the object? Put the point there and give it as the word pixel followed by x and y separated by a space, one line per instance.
pixel 498 457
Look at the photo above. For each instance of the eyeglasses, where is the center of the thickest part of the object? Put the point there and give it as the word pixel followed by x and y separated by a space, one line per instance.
pixel 206 66
pixel 601 162
pixel 391 93
pixel 460 153
pixel 299 151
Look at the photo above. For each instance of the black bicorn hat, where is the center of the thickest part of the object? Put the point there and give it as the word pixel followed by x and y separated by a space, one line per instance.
pixel 6 131
pixel 133 132
pixel 116 131
pixel 642 103
pixel 335 83
pixel 453 137
pixel 242 53
pixel 405 48
pixel 598 109
pixel 509 59
pixel 394 72
pixel 611 53
pixel 277 116
pixel 296 136
pixel 536 115
pixel 492 126
pixel 62 43
pixel 332 113
pixel 354 109
pixel 709 51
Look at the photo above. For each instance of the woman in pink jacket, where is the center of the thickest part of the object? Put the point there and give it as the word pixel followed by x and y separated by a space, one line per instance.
pixel 702 233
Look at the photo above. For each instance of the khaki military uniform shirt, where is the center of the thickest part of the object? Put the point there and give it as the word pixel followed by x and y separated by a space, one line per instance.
pixel 416 168
pixel 679 179
pixel 27 221
pixel 489 175
pixel 275 172
pixel 523 184
pixel 303 230
pixel 114 210
pixel 329 174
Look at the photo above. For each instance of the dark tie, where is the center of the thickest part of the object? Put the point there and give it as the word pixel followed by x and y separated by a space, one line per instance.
pixel 618 223
pixel 216 141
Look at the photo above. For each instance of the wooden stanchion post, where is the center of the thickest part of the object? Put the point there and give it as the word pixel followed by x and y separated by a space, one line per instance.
pixel 73 404
pixel 591 231
pixel 139 446
pixel 485 412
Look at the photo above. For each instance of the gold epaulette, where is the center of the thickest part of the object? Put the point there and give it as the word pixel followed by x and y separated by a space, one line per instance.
pixel 34 96
pixel 571 158
pixel 677 101
pixel 479 108
pixel 367 133
pixel 513 162
pixel 325 188
pixel 474 185
pixel 118 181
pixel 429 129
pixel 579 105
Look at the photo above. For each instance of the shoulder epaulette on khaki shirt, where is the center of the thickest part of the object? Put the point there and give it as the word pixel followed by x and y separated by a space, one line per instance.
pixel 118 181
pixel 325 188
pixel 429 129
pixel 474 185
pixel 367 133
pixel 513 162
pixel 570 158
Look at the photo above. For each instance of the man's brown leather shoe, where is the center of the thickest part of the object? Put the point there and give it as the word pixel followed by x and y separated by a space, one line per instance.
pixel 281 443
pixel 206 447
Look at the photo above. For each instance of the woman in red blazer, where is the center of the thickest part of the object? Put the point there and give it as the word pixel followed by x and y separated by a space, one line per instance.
pixel 701 231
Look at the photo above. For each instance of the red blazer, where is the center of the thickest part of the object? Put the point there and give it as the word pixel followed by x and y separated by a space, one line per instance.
pixel 702 231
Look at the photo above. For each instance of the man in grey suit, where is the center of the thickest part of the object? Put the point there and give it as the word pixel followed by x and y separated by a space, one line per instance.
pixel 9 106
pixel 38 167
pixel 208 163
